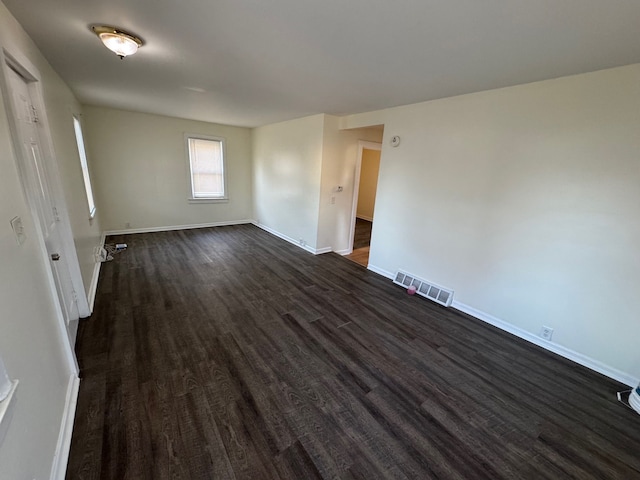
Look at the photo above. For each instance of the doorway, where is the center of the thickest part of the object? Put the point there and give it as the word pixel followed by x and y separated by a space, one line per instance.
pixel 41 185
pixel 364 198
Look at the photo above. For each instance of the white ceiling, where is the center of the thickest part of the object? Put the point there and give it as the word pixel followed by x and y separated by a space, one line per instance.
pixel 253 62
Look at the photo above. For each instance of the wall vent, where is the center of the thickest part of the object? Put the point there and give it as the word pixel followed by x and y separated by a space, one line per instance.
pixel 429 290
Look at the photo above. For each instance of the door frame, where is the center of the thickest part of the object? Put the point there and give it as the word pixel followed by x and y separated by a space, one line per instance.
pixel 21 65
pixel 362 145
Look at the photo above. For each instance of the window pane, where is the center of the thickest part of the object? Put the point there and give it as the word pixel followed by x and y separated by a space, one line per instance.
pixel 207 175
pixel 85 169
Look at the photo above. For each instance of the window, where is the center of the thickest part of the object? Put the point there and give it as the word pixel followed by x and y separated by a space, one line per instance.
pixel 206 168
pixel 85 168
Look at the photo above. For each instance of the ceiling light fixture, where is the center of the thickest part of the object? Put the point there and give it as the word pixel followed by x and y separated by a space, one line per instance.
pixel 118 41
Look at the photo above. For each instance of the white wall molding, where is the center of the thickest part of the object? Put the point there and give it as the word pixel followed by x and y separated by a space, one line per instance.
pixel 346 251
pixel 380 271
pixel 93 287
pixel 565 352
pixel 170 228
pixel 61 457
pixel 315 251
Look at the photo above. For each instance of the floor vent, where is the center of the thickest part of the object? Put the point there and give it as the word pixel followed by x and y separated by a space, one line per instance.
pixel 429 290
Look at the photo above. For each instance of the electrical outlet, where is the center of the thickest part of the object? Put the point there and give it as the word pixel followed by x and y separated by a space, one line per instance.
pixel 546 332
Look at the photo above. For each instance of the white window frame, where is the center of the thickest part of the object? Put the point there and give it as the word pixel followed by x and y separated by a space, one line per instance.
pixel 88 188
pixel 223 149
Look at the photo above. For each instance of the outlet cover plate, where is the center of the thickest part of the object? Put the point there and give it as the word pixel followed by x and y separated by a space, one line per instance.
pixel 546 332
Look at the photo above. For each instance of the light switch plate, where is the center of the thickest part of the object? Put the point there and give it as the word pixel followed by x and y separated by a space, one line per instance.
pixel 18 230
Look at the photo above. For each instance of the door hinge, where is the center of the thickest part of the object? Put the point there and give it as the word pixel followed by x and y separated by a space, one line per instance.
pixel 56 215
pixel 75 296
pixel 34 114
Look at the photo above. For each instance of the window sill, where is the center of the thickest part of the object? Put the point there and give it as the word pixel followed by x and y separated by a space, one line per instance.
pixel 6 410
pixel 208 200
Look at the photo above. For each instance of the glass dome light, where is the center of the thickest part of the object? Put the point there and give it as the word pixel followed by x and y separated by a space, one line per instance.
pixel 118 41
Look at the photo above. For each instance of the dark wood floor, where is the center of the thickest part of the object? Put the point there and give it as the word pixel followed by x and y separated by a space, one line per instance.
pixel 227 353
pixel 361 242
pixel 362 233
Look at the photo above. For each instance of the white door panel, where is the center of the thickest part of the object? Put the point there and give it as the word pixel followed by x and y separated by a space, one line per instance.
pixel 37 180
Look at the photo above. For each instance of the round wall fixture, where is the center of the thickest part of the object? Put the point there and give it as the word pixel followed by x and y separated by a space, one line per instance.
pixel 395 141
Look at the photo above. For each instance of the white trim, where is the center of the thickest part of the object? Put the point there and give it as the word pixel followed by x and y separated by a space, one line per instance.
pixel 84 164
pixel 223 152
pixel 380 271
pixel 346 251
pixel 196 201
pixel 93 287
pixel 170 228
pixel 565 352
pixel 356 188
pixel 61 457
pixel 315 251
pixel 362 217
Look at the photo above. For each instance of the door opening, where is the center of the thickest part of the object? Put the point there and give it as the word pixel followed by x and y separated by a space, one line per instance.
pixel 43 193
pixel 364 197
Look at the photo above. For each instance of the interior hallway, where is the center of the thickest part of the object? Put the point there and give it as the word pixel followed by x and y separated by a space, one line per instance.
pixel 361 242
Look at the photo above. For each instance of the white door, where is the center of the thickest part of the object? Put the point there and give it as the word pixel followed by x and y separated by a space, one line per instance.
pixel 37 182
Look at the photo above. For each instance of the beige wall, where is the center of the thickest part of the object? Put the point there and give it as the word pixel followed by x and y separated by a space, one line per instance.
pixel 141 170
pixel 368 183
pixel 297 168
pixel 287 165
pixel 30 341
pixel 525 201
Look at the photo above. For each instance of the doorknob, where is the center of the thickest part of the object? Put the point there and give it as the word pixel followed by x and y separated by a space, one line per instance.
pixel 55 257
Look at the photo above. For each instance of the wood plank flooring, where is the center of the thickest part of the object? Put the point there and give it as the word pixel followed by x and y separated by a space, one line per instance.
pixel 361 242
pixel 360 256
pixel 227 353
pixel 362 233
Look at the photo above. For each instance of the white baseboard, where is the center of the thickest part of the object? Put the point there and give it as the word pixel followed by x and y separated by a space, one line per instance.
pixel 565 352
pixel 93 287
pixel 315 251
pixel 169 228
pixel 368 219
pixel 382 272
pixel 61 457
pixel 346 251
